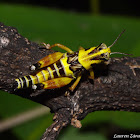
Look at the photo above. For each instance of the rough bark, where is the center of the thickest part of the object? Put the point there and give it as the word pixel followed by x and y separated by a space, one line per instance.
pixel 115 87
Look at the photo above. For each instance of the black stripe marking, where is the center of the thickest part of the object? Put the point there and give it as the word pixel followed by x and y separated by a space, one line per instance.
pixel 15 85
pixel 54 71
pixel 49 77
pixel 43 75
pixel 20 82
pixel 61 69
pixel 57 69
pixel 24 82
pixel 37 78
pixel 30 80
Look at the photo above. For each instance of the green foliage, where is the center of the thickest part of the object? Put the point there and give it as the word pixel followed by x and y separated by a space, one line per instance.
pixel 74 134
pixel 125 120
pixel 73 30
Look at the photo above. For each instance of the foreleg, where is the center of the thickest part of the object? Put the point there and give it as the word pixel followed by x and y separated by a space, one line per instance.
pixel 75 83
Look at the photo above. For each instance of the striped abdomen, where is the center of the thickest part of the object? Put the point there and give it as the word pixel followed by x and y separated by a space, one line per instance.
pixel 55 70
pixel 28 81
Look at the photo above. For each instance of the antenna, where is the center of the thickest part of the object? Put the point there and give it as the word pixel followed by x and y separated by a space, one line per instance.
pixel 119 53
pixel 117 39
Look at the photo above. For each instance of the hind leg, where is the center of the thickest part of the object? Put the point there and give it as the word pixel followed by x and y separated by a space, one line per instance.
pixel 48 46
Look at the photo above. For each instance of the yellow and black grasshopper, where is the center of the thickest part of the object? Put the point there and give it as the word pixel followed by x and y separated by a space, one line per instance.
pixel 59 69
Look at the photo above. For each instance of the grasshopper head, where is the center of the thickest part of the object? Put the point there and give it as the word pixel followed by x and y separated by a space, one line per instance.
pixel 102 52
pixel 96 55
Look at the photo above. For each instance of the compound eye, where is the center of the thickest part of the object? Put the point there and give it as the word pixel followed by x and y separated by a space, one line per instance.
pixel 106 55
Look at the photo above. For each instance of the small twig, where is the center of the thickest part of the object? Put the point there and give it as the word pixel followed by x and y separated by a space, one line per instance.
pixel 23 117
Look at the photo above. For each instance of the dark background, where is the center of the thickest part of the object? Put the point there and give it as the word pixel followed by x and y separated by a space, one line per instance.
pixel 117 7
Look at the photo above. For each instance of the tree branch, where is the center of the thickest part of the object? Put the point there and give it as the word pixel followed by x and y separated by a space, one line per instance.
pixel 116 86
